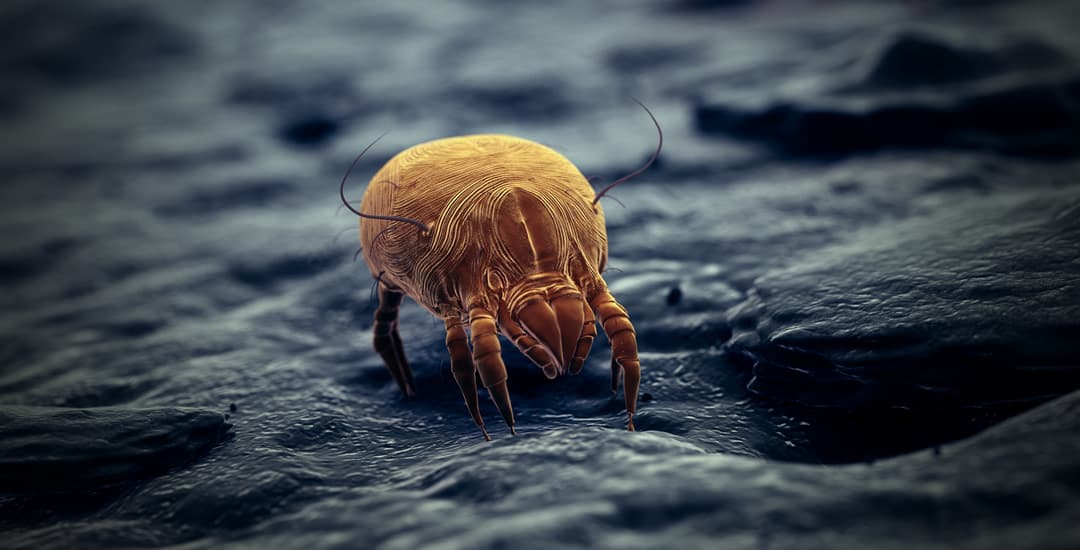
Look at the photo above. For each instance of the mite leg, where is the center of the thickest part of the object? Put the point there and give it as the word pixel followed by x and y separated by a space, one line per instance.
pixel 528 345
pixel 624 355
pixel 461 364
pixel 588 334
pixel 388 342
pixel 489 363
pixel 570 315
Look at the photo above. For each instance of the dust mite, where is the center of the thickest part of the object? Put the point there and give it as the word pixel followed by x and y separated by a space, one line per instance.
pixel 495 234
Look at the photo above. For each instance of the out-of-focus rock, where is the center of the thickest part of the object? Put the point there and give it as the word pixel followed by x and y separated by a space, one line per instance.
pixel 536 102
pixel 918 91
pixel 1037 118
pixel 86 42
pixel 917 58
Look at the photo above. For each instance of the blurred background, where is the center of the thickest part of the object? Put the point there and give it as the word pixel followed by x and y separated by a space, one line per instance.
pixel 853 274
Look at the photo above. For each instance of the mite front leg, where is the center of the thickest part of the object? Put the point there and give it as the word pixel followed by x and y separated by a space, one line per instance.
pixel 489 363
pixel 461 364
pixel 550 333
pixel 528 345
pixel 388 342
pixel 624 354
pixel 588 334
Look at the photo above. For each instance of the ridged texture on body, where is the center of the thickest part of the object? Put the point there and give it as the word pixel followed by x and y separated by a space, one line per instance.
pixel 513 245
pixel 475 193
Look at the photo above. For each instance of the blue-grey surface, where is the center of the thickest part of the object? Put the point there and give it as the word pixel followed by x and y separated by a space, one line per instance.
pixel 57 450
pixel 860 242
pixel 982 307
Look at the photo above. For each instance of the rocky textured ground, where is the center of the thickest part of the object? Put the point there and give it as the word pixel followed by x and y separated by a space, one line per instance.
pixel 859 248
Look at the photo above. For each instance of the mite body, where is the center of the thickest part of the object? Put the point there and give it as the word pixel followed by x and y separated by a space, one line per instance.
pixel 494 234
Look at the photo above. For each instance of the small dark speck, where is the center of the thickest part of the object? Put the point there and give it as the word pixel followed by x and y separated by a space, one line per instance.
pixel 232 407
pixel 646 397
pixel 226 418
pixel 674 296
pixel 937 451
pixel 310 131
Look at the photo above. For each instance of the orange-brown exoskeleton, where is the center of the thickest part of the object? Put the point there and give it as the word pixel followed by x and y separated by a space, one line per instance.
pixel 494 234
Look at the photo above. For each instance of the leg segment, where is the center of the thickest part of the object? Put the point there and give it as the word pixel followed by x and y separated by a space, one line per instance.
pixel 461 363
pixel 550 333
pixel 489 363
pixel 528 345
pixel 588 334
pixel 388 342
pixel 570 313
pixel 624 355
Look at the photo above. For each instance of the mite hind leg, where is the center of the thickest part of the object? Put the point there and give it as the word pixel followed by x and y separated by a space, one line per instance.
pixel 624 354
pixel 461 364
pixel 388 341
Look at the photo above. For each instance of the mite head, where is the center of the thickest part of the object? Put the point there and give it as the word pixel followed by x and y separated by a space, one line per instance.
pixel 547 320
